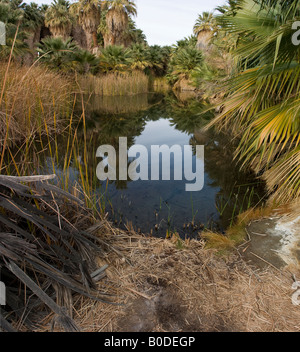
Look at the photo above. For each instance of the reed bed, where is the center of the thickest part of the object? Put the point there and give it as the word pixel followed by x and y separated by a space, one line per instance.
pixel 115 84
pixel 33 102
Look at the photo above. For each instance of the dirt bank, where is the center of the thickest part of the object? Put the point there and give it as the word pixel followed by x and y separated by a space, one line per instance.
pixel 168 285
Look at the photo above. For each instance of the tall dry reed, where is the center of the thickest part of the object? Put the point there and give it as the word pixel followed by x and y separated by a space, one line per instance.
pixel 115 84
pixel 32 99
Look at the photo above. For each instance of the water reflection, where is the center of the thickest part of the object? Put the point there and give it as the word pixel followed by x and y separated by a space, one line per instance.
pixel 158 206
pixel 151 206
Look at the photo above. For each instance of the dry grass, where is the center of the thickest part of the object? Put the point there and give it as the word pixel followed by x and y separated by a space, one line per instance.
pixel 217 241
pixel 168 289
pixel 32 99
pixel 236 234
pixel 114 84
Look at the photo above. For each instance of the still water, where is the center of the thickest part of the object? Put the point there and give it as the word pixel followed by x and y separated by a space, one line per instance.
pixel 158 207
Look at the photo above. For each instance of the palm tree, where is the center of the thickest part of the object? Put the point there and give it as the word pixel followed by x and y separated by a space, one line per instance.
pixel 58 54
pixel 85 62
pixel 183 65
pixel 262 104
pixel 160 58
pixel 117 21
pixel 135 35
pixel 32 23
pixel 59 19
pixel 11 11
pixel 186 60
pixel 88 13
pixel 204 29
pixel 33 17
pixel 140 58
pixel 114 59
pixel 11 14
pixel 230 8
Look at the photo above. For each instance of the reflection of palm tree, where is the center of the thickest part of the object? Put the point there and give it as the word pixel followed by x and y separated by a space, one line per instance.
pixel 107 129
pixel 235 186
pixel 189 115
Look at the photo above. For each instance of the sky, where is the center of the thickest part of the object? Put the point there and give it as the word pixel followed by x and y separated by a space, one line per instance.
pixel 166 21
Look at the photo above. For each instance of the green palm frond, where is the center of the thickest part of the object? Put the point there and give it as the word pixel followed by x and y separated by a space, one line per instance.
pixel 262 105
pixel 205 22
pixel 127 6
pixel 59 19
pixel 114 59
pixel 88 13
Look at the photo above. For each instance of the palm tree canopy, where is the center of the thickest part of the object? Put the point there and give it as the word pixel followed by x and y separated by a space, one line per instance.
pixel 58 18
pixel 230 8
pixel 127 6
pixel 140 58
pixel 88 13
pixel 10 11
pixel 186 60
pixel 263 97
pixel 204 23
pixel 114 59
pixel 33 16
pixel 56 53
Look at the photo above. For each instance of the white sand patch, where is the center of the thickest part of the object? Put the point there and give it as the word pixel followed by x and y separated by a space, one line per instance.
pixel 289 230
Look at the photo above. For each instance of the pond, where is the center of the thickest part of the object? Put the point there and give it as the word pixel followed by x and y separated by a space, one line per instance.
pixel 153 207
pixel 160 207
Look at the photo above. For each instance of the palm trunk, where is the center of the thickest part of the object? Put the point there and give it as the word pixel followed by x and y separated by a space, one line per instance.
pixel 95 39
pixel 89 40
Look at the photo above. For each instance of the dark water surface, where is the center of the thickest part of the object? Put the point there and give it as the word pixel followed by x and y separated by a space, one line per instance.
pixel 160 206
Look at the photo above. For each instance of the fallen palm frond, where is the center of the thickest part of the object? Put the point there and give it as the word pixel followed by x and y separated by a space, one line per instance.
pixel 43 250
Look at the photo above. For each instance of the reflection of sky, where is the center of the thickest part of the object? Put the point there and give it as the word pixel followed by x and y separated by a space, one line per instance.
pixel 158 133
pixel 155 134
pixel 141 198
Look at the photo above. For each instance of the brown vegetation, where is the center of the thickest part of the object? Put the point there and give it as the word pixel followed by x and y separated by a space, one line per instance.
pixel 32 99
pixel 168 285
pixel 116 84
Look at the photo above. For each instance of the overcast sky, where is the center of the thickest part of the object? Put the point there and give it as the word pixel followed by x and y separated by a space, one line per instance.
pixel 166 21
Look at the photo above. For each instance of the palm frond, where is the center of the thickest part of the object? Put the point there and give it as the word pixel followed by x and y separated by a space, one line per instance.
pixel 37 237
